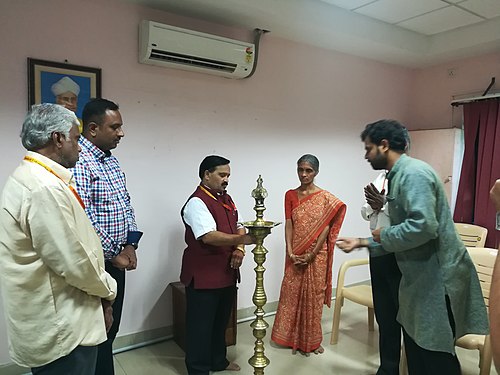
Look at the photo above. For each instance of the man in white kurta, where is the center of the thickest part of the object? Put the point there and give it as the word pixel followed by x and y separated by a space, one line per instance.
pixel 385 278
pixel 51 261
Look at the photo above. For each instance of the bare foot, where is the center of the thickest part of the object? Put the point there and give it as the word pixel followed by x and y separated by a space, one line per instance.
pixel 304 353
pixel 233 367
pixel 320 350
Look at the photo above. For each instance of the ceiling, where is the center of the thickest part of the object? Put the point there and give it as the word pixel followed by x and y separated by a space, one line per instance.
pixel 412 33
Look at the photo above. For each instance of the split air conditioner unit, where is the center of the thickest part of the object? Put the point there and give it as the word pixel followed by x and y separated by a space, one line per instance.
pixel 174 47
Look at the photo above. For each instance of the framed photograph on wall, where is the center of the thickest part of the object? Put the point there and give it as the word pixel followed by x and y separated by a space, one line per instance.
pixel 69 85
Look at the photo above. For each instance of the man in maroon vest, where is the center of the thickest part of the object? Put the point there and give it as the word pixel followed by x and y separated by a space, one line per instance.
pixel 210 267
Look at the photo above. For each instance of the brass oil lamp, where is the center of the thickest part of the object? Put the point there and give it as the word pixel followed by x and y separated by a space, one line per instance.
pixel 259 228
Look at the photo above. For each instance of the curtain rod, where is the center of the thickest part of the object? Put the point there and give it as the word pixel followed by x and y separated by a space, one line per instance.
pixel 425 129
pixel 456 103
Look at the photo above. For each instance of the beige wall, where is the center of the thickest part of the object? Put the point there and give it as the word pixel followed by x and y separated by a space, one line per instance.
pixel 434 88
pixel 437 147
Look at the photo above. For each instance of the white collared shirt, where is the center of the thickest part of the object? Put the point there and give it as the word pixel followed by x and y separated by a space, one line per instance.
pixel 199 218
pixel 51 266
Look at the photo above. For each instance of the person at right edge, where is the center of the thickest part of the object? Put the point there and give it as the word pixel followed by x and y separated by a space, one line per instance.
pixel 495 284
pixel 210 267
pixel 440 297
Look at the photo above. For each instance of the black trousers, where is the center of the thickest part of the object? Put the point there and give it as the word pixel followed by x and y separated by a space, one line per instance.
pixel 427 362
pixel 207 314
pixel 385 276
pixel 105 364
pixel 81 361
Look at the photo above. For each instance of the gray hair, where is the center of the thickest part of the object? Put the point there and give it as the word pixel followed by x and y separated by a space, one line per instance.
pixel 42 121
pixel 311 160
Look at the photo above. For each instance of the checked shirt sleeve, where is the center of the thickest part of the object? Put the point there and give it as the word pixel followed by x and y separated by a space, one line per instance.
pixel 131 224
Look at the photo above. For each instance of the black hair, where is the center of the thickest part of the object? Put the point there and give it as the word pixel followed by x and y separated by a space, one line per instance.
pixel 210 163
pixel 392 131
pixel 95 110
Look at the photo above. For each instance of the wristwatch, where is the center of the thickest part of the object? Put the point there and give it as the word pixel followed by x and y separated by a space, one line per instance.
pixel 134 244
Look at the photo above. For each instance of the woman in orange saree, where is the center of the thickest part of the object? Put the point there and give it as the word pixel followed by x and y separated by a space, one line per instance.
pixel 313 220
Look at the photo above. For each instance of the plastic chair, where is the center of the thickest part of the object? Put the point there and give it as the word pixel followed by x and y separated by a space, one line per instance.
pixel 472 235
pixel 361 294
pixel 484 260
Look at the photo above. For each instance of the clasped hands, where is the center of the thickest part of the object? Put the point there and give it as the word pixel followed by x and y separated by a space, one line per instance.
pixel 302 260
pixel 126 260
pixel 374 198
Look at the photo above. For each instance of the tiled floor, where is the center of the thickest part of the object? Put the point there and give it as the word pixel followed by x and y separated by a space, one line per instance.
pixel 356 352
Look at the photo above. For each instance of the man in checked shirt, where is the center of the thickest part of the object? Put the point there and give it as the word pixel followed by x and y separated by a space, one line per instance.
pixel 101 184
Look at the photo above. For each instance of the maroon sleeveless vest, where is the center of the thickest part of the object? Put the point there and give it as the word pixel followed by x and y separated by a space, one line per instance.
pixel 206 266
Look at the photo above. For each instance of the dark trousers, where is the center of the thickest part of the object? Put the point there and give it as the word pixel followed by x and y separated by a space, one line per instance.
pixel 427 362
pixel 105 364
pixel 81 361
pixel 385 276
pixel 207 314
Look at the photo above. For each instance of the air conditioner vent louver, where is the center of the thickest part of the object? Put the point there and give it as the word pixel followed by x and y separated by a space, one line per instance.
pixel 192 60
pixel 174 47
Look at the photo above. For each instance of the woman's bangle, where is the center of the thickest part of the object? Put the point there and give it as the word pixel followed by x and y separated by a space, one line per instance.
pixel 242 249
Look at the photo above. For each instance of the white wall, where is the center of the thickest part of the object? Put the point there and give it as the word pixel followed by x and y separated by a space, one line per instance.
pixel 301 100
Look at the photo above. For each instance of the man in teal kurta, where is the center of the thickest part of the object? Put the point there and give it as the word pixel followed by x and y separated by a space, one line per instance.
pixel 440 298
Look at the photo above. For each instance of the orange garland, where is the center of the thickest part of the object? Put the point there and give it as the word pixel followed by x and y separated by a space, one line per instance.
pixel 226 206
pixel 73 190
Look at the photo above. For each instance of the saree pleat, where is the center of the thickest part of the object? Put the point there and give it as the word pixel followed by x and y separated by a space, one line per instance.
pixel 304 290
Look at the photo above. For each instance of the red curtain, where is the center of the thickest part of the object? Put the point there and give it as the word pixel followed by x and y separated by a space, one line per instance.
pixel 480 167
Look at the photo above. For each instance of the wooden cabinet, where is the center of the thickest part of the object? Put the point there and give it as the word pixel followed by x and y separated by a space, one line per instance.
pixel 179 315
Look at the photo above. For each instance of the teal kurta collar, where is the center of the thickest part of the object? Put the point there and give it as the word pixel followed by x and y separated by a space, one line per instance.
pixel 400 163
